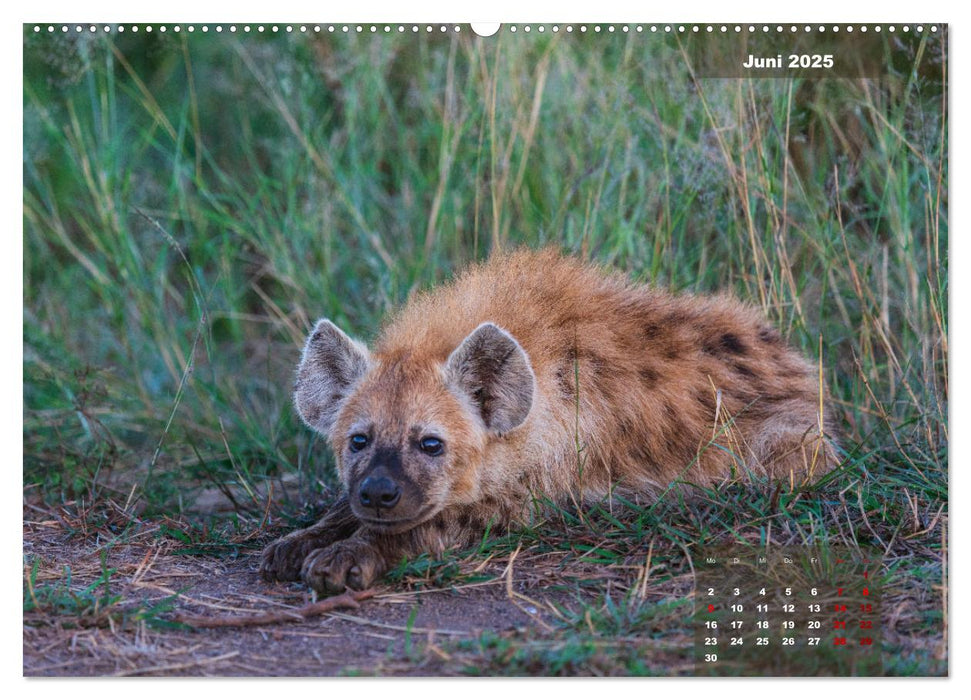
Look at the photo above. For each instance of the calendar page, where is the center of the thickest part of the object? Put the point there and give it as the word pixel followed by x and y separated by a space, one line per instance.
pixel 396 344
pixel 794 611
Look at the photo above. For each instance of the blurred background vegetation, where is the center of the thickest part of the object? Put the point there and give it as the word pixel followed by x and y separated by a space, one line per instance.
pixel 193 202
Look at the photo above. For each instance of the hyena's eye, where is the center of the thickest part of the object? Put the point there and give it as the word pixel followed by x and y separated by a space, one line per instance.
pixel 358 442
pixel 431 446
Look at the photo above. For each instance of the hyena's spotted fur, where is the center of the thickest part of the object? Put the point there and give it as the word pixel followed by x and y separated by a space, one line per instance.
pixel 534 375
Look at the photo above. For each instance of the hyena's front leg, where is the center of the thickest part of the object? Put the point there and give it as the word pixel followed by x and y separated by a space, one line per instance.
pixel 361 559
pixel 282 560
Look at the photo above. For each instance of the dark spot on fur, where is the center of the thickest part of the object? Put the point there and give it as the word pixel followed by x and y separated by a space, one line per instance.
pixel 670 411
pixel 489 503
pixel 582 359
pixel 648 375
pixel 566 381
pixel 625 426
pixel 671 351
pixel 651 331
pixel 727 344
pixel 770 336
pixel 732 344
pixel 743 370
pixel 795 395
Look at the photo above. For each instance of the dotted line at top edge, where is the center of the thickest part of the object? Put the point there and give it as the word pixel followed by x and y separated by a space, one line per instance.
pixel 443 28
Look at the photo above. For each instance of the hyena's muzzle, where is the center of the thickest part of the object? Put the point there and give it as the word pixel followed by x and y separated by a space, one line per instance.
pixel 384 496
pixel 378 491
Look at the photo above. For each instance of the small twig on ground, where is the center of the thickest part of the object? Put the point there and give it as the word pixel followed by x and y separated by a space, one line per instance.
pixel 349 599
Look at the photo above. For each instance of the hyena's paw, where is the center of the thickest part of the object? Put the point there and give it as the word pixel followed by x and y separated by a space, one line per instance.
pixel 352 563
pixel 282 560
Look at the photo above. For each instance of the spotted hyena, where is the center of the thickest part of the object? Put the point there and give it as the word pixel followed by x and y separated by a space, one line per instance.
pixel 532 375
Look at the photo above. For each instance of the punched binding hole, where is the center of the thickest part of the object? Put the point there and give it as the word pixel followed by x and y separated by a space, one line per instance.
pixel 485 28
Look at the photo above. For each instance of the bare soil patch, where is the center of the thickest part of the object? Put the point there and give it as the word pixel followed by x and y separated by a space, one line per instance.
pixel 404 629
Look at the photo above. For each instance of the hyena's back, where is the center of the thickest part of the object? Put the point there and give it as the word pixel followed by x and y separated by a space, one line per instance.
pixel 635 385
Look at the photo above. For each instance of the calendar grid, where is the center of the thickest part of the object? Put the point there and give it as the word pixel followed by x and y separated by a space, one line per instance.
pixel 792 611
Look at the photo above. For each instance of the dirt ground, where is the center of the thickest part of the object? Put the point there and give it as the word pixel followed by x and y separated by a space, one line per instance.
pixel 401 630
pixel 370 639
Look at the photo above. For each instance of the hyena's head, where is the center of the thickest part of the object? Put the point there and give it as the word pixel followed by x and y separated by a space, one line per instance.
pixel 409 430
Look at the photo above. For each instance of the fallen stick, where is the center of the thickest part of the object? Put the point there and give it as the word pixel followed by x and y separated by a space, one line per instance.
pixel 345 600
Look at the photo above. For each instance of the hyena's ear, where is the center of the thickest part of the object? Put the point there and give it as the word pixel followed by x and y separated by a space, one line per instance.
pixel 331 365
pixel 492 369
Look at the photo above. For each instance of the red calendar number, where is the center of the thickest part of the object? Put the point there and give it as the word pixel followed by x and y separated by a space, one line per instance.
pixel 866 641
pixel 839 641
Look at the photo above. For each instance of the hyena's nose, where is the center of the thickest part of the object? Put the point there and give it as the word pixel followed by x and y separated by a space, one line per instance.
pixel 379 492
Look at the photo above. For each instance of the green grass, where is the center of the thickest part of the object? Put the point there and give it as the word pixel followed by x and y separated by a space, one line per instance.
pixel 192 203
pixel 573 655
pixel 92 605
